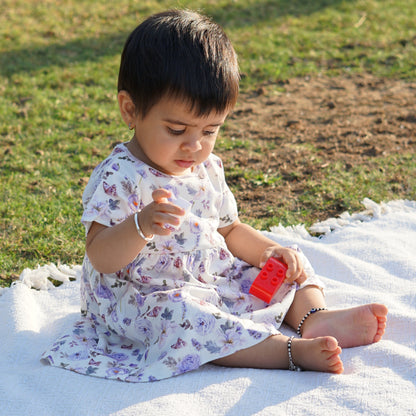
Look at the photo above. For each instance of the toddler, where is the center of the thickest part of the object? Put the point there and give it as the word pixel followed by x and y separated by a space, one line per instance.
pixel 168 265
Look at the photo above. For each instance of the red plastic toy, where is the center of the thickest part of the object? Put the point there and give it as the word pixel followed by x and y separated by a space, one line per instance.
pixel 269 280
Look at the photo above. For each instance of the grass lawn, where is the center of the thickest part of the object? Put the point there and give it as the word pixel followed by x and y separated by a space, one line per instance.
pixel 59 117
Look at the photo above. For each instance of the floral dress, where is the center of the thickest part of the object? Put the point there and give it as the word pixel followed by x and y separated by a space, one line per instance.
pixel 184 301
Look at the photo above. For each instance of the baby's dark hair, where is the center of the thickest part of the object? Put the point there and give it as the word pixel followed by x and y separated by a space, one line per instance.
pixel 180 54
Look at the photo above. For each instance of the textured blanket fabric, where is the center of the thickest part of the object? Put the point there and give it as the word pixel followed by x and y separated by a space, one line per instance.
pixel 365 257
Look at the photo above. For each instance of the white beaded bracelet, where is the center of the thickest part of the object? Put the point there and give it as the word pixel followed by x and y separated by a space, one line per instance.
pixel 139 230
pixel 292 366
pixel 313 310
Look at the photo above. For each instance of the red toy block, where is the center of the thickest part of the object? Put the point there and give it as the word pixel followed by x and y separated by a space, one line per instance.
pixel 269 280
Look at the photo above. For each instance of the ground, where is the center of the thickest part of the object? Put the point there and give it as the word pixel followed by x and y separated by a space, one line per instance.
pixel 313 122
pixel 300 130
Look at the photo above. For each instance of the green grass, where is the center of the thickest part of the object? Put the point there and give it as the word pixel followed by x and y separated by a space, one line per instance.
pixel 58 112
pixel 332 189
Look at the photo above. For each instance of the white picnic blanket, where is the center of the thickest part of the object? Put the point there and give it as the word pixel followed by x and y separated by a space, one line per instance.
pixel 362 258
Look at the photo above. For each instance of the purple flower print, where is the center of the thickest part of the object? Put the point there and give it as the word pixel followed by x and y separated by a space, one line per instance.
pixel 230 340
pixel 195 227
pixel 163 263
pixel 180 343
pixel 206 204
pixel 144 327
pixel 154 312
pixel 175 296
pixel 134 203
pixel 142 173
pixel 140 299
pixel 207 164
pixel 113 312
pixel 204 324
pixel 196 344
pixel 83 340
pixel 116 372
pixel 255 334
pixel 118 356
pixel 189 362
pixel 156 173
pixel 93 362
pixel 239 303
pixel 144 279
pixel 178 263
pixel 79 355
pixel 202 268
pixel 114 204
pixel 169 245
pixel 245 286
pixel 110 189
pixel 134 378
pixel 50 359
pixel 96 209
pixel 103 292
pixel 166 329
pixel 190 260
pixel 224 254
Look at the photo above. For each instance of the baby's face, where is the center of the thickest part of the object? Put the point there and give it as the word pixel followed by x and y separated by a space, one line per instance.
pixel 172 139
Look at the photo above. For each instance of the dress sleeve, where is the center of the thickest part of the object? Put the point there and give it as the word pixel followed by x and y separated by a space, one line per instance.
pixel 228 211
pixel 112 194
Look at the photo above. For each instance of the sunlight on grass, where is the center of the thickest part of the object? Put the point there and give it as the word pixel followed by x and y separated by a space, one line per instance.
pixel 58 76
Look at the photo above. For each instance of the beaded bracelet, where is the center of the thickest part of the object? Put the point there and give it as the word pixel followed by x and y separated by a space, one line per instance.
pixel 139 230
pixel 313 310
pixel 292 365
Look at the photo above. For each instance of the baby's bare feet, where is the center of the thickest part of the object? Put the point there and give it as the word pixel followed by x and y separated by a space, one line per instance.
pixel 352 327
pixel 318 354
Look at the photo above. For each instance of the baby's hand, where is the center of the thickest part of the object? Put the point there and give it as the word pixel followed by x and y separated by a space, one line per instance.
pixel 182 203
pixel 295 271
pixel 154 217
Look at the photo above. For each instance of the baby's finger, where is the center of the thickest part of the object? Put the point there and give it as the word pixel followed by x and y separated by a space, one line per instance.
pixel 265 256
pixel 159 229
pixel 291 272
pixel 302 278
pixel 164 205
pixel 161 195
pixel 162 217
pixel 295 267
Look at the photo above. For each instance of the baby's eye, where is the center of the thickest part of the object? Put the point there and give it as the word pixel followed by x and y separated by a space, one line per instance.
pixel 209 133
pixel 175 132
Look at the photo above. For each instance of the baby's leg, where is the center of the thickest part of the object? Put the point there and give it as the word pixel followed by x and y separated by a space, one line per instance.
pixel 352 327
pixel 319 354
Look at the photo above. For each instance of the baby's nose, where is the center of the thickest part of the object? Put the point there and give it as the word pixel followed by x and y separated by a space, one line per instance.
pixel 193 144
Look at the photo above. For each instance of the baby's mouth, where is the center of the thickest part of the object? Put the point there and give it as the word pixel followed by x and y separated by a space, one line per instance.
pixel 184 163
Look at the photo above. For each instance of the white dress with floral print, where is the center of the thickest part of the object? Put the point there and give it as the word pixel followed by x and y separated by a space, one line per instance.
pixel 184 300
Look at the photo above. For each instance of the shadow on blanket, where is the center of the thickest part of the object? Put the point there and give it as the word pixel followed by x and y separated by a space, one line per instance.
pixel 364 257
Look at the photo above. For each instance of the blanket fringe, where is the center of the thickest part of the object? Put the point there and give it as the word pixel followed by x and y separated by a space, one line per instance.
pixel 40 278
pixel 372 210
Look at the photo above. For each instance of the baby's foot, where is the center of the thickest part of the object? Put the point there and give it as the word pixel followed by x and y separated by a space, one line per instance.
pixel 318 354
pixel 352 327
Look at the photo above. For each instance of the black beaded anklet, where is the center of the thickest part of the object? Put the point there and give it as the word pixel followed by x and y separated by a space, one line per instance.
pixel 313 310
pixel 292 366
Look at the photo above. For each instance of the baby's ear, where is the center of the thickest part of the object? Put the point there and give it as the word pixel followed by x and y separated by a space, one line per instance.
pixel 127 107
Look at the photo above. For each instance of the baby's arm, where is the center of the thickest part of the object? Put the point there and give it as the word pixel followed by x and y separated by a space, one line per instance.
pixel 254 248
pixel 112 248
